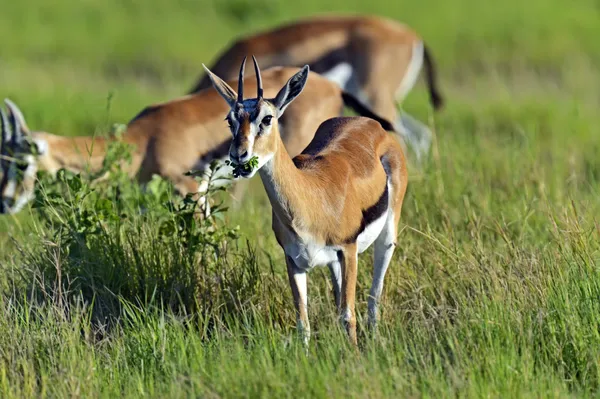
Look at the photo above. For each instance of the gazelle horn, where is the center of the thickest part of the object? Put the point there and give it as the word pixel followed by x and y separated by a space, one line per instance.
pixel 15 117
pixel 259 87
pixel 241 82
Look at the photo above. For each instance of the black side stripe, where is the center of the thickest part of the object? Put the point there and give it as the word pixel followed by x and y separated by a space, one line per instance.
pixel 371 214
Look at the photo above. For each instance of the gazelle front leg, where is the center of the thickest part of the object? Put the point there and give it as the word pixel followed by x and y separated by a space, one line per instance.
pixel 349 261
pixel 298 283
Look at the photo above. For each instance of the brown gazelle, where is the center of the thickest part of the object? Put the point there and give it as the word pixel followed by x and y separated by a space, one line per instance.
pixel 375 59
pixel 342 194
pixel 169 139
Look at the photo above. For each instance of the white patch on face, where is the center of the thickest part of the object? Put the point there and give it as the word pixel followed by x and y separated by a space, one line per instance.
pixel 11 189
pixel 31 170
pixel 27 195
pixel 42 146
pixel 340 74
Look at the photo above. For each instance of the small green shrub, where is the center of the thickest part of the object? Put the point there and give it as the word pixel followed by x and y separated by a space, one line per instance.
pixel 108 240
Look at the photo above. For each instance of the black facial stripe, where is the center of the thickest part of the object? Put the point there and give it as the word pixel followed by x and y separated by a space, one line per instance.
pixel 254 115
pixel 6 178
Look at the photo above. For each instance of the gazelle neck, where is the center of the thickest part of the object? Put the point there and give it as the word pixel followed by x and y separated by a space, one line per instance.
pixel 283 182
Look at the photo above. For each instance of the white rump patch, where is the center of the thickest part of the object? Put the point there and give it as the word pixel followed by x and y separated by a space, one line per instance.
pixel 370 233
pixel 373 230
pixel 340 74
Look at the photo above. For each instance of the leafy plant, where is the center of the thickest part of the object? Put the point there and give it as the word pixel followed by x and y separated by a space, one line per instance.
pixel 117 240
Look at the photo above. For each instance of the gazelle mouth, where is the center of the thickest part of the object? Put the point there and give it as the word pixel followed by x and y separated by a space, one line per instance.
pixel 246 169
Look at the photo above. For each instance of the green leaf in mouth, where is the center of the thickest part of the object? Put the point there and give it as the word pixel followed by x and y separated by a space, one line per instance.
pixel 247 167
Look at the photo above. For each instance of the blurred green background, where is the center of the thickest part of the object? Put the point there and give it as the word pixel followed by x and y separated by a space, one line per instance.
pixel 61 59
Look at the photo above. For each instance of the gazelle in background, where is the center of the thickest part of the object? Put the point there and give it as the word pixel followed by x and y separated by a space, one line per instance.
pixel 169 139
pixel 375 59
pixel 342 194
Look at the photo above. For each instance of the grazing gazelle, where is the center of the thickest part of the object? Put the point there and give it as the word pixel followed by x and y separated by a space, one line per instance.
pixel 342 194
pixel 169 139
pixel 375 59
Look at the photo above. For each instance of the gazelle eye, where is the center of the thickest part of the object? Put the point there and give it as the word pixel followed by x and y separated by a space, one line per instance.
pixel 266 120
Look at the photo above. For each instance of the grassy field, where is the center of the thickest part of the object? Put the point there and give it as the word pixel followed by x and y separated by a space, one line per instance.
pixel 494 289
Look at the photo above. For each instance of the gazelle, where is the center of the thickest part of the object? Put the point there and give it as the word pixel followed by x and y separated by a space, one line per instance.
pixel 169 139
pixel 342 194
pixel 377 60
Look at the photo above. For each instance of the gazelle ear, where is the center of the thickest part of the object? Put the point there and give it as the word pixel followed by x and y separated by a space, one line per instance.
pixel 17 119
pixel 222 88
pixel 291 90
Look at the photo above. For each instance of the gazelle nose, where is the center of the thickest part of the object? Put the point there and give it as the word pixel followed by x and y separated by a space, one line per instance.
pixel 239 158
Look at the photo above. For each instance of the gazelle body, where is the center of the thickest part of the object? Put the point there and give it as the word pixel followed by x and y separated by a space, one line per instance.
pixel 168 139
pixel 343 193
pixel 377 60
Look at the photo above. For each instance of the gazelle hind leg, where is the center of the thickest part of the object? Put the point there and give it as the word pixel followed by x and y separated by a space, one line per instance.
pixel 416 134
pixel 349 258
pixel 336 280
pixel 385 244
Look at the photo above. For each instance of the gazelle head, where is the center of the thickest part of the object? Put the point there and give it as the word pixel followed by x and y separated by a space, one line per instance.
pixel 253 121
pixel 18 163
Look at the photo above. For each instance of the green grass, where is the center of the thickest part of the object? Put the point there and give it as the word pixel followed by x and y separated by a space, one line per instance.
pixel 494 289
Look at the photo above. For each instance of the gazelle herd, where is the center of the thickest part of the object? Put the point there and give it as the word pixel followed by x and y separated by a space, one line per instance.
pixel 336 184
pixel 168 139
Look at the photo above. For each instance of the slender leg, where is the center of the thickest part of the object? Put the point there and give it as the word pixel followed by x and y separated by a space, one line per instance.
pixel 349 270
pixel 383 251
pixel 298 283
pixel 336 280
pixel 416 134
